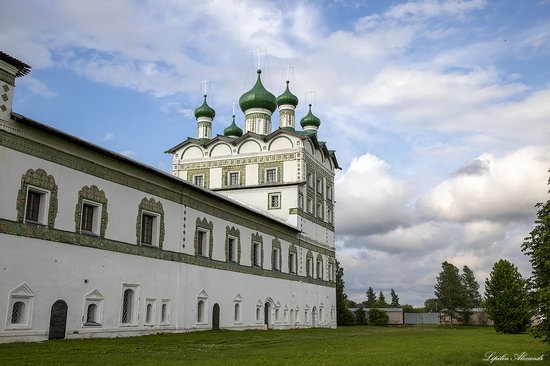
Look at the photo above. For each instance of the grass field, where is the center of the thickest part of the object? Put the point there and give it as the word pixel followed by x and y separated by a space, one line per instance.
pixel 343 346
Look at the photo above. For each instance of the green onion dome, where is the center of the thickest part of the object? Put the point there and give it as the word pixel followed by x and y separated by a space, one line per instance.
pixel 233 130
pixel 205 110
pixel 258 97
pixel 287 97
pixel 310 120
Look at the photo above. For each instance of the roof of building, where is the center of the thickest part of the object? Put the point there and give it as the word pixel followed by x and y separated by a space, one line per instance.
pixel 233 130
pixel 287 97
pixel 101 150
pixel 22 68
pixel 310 119
pixel 258 97
pixel 387 310
pixel 205 110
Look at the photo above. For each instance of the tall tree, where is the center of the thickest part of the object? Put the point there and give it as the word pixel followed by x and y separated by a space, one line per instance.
pixel 506 298
pixel 371 298
pixel 343 314
pixel 449 290
pixel 431 305
pixel 394 298
pixel 537 247
pixel 381 303
pixel 472 298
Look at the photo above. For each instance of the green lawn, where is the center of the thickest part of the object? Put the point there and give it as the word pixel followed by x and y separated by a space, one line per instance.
pixel 343 346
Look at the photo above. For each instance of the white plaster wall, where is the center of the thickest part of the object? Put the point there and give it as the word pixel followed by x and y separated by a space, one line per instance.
pixel 216 178
pixel 220 149
pixel 251 174
pixel 281 143
pixel 258 197
pixel 249 146
pixel 191 152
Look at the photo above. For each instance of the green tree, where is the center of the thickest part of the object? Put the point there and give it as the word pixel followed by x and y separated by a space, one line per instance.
pixel 394 298
pixel 360 316
pixel 343 314
pixel 472 297
pixel 378 317
pixel 431 305
pixel 449 290
pixel 371 298
pixel 408 308
pixel 352 304
pixel 506 298
pixel 537 247
pixel 381 303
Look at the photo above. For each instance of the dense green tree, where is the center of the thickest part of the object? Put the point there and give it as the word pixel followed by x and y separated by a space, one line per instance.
pixel 352 304
pixel 360 316
pixel 506 298
pixel 537 247
pixel 343 314
pixel 407 308
pixel 371 298
pixel 394 298
pixel 449 290
pixel 378 317
pixel 472 298
pixel 431 305
pixel 381 303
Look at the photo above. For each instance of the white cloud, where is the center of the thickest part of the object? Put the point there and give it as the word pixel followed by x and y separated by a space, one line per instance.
pixel 36 87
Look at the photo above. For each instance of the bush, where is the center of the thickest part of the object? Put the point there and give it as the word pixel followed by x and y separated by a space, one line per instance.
pixel 378 317
pixel 360 317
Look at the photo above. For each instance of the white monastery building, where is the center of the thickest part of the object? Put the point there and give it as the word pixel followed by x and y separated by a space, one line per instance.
pixel 94 244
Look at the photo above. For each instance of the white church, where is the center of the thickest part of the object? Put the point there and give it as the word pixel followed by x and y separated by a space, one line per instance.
pixel 94 244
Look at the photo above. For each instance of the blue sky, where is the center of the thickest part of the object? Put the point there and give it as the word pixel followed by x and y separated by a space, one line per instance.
pixel 439 110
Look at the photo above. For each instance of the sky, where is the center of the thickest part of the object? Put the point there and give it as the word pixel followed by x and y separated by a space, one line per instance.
pixel 439 110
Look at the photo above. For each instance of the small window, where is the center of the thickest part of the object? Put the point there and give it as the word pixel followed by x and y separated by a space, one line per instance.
pixel 329 215
pixel 275 259
pixel 237 314
pixel 127 306
pixel 200 312
pixel 292 263
pixel 91 313
pixel 310 180
pixel 198 179
pixel 309 205
pixel 231 250
pixel 202 243
pixel 319 269
pixel 300 201
pixel 319 186
pixel 36 210
pixel 329 192
pixel 320 210
pixel 17 312
pixel 274 200
pixel 148 223
pixel 276 315
pixel 149 313
pixel 165 312
pixel 89 222
pixel 309 269
pixel 258 314
pixel 256 254
pixel 271 175
pixel 233 178
pixel 329 270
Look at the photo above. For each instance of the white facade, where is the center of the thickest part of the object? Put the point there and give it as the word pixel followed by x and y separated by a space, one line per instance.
pixel 65 276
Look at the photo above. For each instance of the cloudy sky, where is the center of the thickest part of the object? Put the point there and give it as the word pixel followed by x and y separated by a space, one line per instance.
pixel 439 110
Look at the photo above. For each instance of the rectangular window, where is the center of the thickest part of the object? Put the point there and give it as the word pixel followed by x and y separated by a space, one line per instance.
pixel 274 200
pixel 319 186
pixel 275 259
pixel 147 222
pixel 300 201
pixel 329 216
pixel 292 264
pixel 309 269
pixel 231 246
pixel 256 254
pixel 198 179
pixel 33 206
pixel 88 217
pixel 329 192
pixel 309 205
pixel 201 242
pixel 310 179
pixel 320 210
pixel 319 270
pixel 271 175
pixel 233 178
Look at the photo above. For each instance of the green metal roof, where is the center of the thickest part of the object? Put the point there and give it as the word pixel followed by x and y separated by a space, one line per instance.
pixel 233 130
pixel 205 110
pixel 258 97
pixel 287 97
pixel 310 120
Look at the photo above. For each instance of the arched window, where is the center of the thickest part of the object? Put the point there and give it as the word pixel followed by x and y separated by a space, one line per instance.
pixel 91 313
pixel 200 311
pixel 149 313
pixel 163 313
pixel 236 316
pixel 127 305
pixel 277 315
pixel 258 314
pixel 17 312
pixel 320 315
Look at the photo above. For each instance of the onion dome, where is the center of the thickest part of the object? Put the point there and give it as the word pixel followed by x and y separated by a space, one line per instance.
pixel 287 97
pixel 258 97
pixel 233 130
pixel 205 110
pixel 310 120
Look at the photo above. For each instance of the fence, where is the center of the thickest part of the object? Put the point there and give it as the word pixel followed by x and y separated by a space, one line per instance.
pixel 422 318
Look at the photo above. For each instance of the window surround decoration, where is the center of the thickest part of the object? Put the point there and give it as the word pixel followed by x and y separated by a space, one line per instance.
pixel 152 207
pixel 93 298
pixel 43 183
pixel 22 294
pixel 297 315
pixel 202 312
pixel 259 306
pixel 262 172
pixel 300 200
pixel 319 186
pixel 237 309
pixel 292 267
pixel 96 197
pixel 150 312
pixel 233 233
pixel 330 269
pixel 276 251
pixel 270 197
pixel 165 312
pixel 226 170
pixel 204 172
pixel 257 238
pixel 319 266
pixel 205 226
pixel 309 264
pixel 131 319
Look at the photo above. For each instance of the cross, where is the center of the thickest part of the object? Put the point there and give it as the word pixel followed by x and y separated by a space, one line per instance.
pixel 259 51
pixel 310 97
pixel 289 69
pixel 204 86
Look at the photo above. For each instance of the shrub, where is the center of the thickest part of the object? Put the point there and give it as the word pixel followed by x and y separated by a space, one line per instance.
pixel 360 317
pixel 378 317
